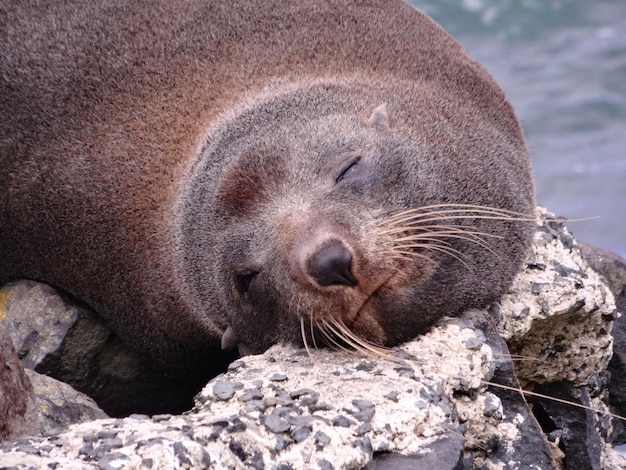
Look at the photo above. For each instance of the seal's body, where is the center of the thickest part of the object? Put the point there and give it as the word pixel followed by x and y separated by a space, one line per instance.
pixel 248 172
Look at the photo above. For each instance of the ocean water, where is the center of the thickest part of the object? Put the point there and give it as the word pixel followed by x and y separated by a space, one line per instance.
pixel 563 65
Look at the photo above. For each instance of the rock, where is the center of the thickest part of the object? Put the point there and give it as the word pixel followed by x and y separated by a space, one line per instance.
pixel 38 319
pixel 17 400
pixel 59 405
pixel 562 331
pixel 572 428
pixel 220 428
pixel 613 268
pixel 446 453
pixel 528 445
pixel 558 319
pixel 57 337
pixel 33 404
pixel 446 395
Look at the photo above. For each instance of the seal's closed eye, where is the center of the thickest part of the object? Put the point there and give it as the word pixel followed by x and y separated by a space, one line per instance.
pixel 341 174
pixel 243 281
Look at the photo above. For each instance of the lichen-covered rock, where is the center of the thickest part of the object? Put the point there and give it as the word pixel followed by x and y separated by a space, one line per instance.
pixel 557 316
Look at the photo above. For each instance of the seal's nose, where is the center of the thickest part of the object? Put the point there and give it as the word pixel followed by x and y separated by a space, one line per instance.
pixel 331 266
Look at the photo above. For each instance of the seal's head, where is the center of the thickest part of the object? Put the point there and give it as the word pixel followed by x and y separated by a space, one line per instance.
pixel 338 225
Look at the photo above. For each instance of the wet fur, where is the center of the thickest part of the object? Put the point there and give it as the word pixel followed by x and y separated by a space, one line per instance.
pixel 121 128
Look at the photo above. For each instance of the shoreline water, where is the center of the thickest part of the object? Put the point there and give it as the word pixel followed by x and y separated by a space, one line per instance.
pixel 563 65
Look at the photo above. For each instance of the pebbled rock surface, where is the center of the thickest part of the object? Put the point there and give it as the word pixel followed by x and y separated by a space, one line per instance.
pixel 450 397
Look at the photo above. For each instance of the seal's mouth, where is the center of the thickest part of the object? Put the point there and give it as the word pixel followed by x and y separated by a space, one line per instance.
pixel 359 328
pixel 368 303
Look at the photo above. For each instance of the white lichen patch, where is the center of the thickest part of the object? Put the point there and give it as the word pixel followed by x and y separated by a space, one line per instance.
pixel 558 314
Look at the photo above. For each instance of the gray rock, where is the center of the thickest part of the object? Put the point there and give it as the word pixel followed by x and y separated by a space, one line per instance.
pixel 301 433
pixel 225 390
pixel 38 320
pixel 573 429
pixel 59 405
pixel 506 405
pixel 613 268
pixel 276 424
pixel 446 453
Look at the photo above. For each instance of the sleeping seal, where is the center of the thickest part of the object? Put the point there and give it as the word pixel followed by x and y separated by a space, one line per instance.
pixel 212 174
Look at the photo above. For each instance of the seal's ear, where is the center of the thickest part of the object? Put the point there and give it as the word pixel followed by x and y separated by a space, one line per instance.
pixel 379 117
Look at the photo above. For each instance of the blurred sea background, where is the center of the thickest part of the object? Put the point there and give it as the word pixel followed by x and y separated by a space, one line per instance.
pixel 563 65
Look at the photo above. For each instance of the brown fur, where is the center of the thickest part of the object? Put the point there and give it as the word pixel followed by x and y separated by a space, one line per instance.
pixel 153 153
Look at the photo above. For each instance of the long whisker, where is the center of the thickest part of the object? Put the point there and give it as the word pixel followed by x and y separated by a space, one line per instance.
pixel 403 255
pixel 432 236
pixel 304 340
pixel 427 229
pixel 479 207
pixel 441 209
pixel 360 344
pixel 332 326
pixel 324 327
pixel 442 249
pixel 312 327
pixel 417 238
pixel 424 233
pixel 418 221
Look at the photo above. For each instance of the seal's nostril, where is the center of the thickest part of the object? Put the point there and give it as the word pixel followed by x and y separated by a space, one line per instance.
pixel 331 266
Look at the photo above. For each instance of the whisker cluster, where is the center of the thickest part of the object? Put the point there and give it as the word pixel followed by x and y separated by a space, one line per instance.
pixel 431 228
pixel 338 336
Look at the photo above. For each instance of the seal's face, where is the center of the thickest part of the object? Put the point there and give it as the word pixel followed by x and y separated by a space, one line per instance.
pixel 314 254
pixel 310 258
pixel 341 230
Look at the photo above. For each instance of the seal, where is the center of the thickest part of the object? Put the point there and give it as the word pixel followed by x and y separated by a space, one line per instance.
pixel 211 175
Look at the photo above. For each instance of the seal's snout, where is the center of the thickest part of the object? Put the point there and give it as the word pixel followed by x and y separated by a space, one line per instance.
pixel 332 265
